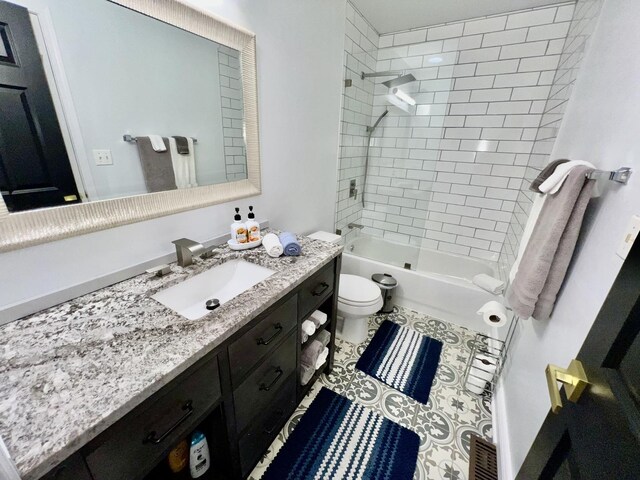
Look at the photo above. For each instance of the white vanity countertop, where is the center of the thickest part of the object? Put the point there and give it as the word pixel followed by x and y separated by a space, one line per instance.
pixel 69 372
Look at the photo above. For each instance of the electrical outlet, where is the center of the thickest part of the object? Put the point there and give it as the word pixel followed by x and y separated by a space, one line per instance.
pixel 630 235
pixel 102 157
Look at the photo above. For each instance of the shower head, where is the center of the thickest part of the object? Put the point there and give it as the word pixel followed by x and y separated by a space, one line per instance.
pixel 396 82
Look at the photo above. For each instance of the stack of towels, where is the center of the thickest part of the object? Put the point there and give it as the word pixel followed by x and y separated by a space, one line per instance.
pixel 314 356
pixel 286 243
pixel 310 325
pixel 167 163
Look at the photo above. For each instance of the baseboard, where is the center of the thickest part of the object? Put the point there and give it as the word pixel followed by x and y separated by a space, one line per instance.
pixel 501 434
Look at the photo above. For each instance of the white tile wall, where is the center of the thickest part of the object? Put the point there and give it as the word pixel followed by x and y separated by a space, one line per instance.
pixel 235 153
pixel 452 172
pixel 566 59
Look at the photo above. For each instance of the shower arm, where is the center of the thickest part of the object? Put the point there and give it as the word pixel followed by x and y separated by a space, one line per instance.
pixel 370 131
pixel 390 73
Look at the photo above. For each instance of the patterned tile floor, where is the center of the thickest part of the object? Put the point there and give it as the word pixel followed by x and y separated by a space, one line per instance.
pixel 444 424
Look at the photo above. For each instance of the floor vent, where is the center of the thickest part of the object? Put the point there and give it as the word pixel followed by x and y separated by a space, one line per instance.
pixel 483 463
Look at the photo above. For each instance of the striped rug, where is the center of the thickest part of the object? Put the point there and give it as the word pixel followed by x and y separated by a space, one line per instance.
pixel 339 439
pixel 402 359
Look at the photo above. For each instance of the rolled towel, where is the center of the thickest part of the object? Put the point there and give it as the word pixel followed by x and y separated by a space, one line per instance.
pixel 310 354
pixel 324 337
pixel 308 327
pixel 318 318
pixel 489 283
pixel 290 244
pixel 322 358
pixel 272 244
pixel 303 337
pixel 306 373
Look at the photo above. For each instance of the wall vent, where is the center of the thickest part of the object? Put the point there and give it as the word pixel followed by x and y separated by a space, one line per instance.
pixel 483 463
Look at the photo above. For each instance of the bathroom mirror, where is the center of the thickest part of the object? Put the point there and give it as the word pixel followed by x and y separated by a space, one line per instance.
pixel 76 151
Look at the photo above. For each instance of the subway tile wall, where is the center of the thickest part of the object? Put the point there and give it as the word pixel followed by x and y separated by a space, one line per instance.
pixel 361 51
pixel 449 176
pixel 582 26
pixel 235 154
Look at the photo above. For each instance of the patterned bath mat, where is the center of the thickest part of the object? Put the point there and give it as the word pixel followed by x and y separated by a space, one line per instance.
pixel 337 438
pixel 403 359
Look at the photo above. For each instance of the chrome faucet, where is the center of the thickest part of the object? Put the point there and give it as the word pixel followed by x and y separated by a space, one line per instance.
pixel 186 249
pixel 355 225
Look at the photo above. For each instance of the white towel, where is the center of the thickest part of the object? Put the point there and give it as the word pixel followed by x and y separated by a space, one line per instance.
pixel 552 184
pixel 272 244
pixel 322 358
pixel 308 327
pixel 157 143
pixel 184 166
pixel 318 318
pixel 489 283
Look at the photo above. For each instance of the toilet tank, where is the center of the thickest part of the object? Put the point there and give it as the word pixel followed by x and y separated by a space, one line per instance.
pixel 327 237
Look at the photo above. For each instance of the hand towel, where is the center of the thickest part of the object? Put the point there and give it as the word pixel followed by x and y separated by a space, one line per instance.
pixel 545 261
pixel 556 179
pixel 544 174
pixel 306 373
pixel 308 327
pixel 489 283
pixel 310 354
pixel 272 245
pixel 182 145
pixel 184 166
pixel 290 244
pixel 156 166
pixel 324 337
pixel 157 143
pixel 318 318
pixel 536 208
pixel 322 358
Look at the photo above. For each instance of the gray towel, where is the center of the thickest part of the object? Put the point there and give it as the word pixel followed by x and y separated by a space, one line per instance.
pixel 323 337
pixel 546 259
pixel 182 145
pixel 311 353
pixel 157 167
pixel 544 174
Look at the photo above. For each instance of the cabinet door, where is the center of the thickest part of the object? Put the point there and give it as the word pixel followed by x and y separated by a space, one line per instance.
pixel 73 468
pixel 316 290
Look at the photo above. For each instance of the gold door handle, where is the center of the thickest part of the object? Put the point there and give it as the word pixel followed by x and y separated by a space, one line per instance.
pixel 573 378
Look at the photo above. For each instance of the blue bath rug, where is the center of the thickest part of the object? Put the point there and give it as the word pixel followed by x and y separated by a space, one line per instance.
pixel 339 439
pixel 403 359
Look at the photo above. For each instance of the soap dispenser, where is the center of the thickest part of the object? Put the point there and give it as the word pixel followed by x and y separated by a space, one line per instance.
pixel 238 229
pixel 253 227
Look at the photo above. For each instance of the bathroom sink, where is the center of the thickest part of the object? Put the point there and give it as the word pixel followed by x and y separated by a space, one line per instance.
pixel 223 283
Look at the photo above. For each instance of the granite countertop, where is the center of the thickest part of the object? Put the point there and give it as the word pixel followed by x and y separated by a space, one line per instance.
pixel 69 372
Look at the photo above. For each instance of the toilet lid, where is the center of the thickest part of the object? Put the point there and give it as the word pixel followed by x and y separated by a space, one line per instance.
pixel 355 290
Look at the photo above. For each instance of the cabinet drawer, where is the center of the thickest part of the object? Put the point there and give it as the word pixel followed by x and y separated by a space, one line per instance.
pixel 315 290
pixel 73 468
pixel 254 345
pixel 133 445
pixel 264 384
pixel 265 428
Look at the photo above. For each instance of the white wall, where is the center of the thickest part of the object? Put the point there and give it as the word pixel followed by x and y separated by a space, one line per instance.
pixel 600 125
pixel 299 53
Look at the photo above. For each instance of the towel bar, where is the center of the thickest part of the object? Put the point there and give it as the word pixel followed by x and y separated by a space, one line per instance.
pixel 620 175
pixel 131 139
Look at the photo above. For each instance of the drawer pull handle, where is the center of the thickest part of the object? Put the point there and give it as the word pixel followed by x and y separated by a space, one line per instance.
pixel 278 328
pixel 322 288
pixel 279 413
pixel 266 388
pixel 151 438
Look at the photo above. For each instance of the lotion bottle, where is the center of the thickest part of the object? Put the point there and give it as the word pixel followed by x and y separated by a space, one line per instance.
pixel 199 461
pixel 253 227
pixel 238 229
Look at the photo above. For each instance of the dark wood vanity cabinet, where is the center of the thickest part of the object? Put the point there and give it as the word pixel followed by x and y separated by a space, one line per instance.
pixel 239 395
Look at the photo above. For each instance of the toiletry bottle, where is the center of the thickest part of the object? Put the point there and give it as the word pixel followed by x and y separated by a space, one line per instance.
pixel 198 455
pixel 238 229
pixel 179 457
pixel 253 227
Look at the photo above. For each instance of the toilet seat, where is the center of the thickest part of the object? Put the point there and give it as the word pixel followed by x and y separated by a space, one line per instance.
pixel 357 291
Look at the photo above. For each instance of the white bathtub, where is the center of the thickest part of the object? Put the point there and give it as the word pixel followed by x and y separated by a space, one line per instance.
pixel 438 283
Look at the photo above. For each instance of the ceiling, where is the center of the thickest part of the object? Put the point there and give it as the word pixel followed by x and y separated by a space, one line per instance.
pixel 391 16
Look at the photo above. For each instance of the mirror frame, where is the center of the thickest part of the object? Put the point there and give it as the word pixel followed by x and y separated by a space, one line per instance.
pixel 24 229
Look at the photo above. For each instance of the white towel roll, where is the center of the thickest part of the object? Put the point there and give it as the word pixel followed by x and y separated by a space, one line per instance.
pixel 272 245
pixel 308 327
pixel 318 318
pixel 322 358
pixel 489 283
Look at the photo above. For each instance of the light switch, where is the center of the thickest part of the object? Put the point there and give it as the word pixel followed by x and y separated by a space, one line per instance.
pixel 630 235
pixel 102 157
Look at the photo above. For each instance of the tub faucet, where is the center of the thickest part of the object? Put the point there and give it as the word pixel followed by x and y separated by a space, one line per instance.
pixel 186 249
pixel 355 225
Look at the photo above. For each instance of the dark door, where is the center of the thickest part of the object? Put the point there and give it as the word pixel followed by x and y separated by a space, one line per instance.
pixel 598 437
pixel 34 166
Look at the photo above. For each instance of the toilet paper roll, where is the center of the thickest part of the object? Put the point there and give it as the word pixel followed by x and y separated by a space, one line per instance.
pixel 494 314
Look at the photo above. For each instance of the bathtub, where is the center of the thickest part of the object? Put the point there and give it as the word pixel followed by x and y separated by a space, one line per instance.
pixel 436 283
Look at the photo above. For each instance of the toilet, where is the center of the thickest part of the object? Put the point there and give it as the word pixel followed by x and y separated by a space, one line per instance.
pixel 358 297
